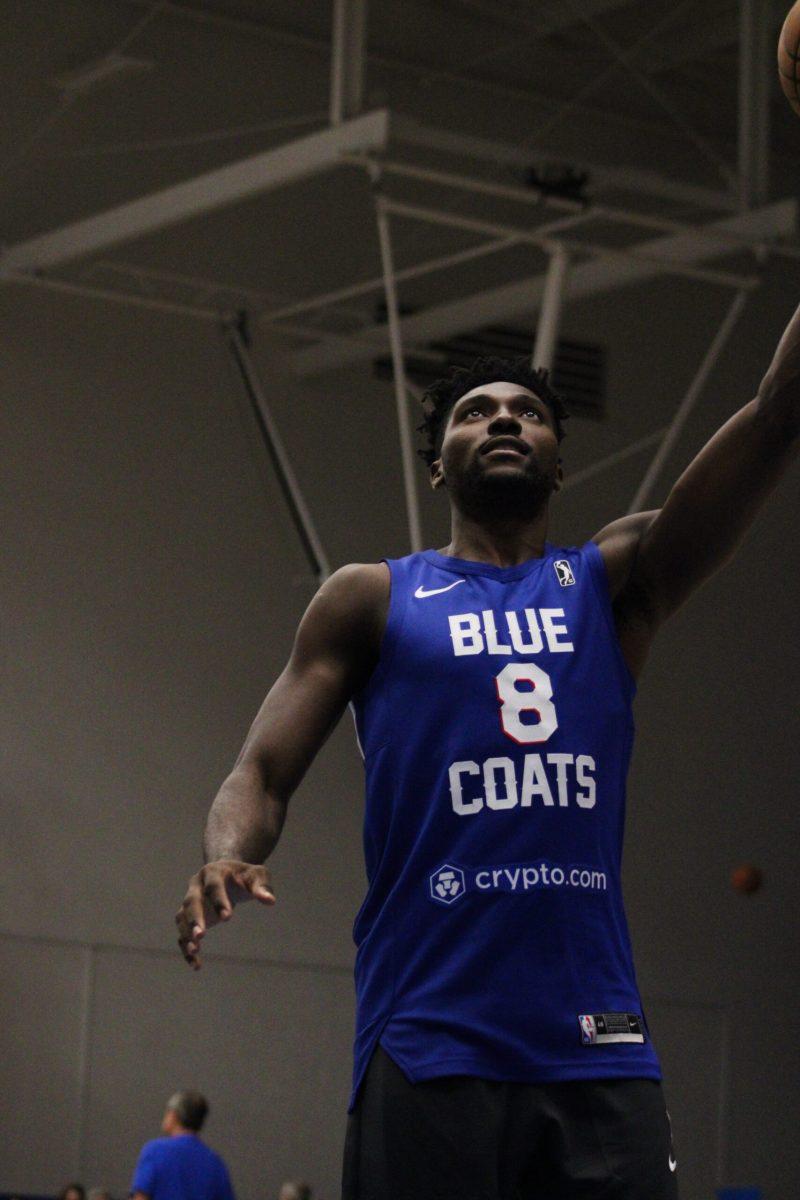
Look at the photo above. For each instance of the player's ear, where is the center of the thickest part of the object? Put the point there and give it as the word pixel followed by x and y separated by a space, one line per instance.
pixel 437 474
pixel 559 477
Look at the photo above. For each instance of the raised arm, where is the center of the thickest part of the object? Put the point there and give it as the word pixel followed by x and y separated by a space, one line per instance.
pixel 334 653
pixel 656 560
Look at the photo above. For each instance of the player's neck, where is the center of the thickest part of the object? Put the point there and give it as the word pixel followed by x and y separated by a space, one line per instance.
pixel 505 544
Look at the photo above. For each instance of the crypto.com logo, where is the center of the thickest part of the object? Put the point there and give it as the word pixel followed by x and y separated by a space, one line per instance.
pixel 447 884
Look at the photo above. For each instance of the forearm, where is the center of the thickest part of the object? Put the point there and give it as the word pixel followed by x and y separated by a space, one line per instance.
pixel 778 399
pixel 246 818
pixel 715 501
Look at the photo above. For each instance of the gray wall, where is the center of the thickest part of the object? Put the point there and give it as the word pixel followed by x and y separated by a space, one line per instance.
pixel 151 583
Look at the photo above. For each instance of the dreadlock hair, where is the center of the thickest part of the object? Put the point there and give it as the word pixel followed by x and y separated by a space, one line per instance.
pixel 444 393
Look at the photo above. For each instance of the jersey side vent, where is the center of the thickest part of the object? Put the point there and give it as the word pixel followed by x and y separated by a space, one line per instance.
pixel 579 371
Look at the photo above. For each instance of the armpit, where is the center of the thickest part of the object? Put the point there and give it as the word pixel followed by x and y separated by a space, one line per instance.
pixel 619 544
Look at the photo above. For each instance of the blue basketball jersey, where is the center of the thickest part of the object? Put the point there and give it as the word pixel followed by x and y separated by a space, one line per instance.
pixel 496 731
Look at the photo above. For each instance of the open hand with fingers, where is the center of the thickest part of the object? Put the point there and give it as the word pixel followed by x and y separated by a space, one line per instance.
pixel 211 897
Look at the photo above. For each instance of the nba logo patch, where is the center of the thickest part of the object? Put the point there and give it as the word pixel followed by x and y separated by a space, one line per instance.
pixel 564 572
pixel 601 1029
pixel 588 1029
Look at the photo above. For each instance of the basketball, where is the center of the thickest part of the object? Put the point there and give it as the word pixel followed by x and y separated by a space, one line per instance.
pixel 789 57
pixel 746 878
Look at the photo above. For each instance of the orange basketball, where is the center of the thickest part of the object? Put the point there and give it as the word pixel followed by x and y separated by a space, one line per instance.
pixel 746 878
pixel 789 57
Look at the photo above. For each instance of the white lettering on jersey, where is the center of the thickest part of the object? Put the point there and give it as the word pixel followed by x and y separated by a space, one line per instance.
pixel 492 644
pixel 534 646
pixel 490 769
pixel 464 808
pixel 570 777
pixel 583 764
pixel 521 879
pixel 552 631
pixel 476 633
pixel 534 782
pixel 561 762
pixel 465 632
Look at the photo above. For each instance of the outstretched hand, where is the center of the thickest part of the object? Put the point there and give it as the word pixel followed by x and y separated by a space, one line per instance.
pixel 211 897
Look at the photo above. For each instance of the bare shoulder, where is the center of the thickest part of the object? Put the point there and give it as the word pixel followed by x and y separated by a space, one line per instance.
pixel 347 616
pixel 633 611
pixel 355 590
pixel 619 544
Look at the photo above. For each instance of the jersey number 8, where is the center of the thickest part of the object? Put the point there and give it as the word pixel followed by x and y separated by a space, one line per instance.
pixel 514 701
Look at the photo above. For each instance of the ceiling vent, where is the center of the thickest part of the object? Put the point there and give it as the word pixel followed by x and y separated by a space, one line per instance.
pixel 579 371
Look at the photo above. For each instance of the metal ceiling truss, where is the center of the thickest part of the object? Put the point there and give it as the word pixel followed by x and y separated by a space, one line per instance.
pixel 601 270
pixel 628 57
pixel 251 176
pixel 755 75
pixel 347 60
pixel 578 265
pixel 299 511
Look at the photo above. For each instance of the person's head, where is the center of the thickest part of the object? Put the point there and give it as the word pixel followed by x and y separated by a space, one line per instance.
pixel 72 1191
pixel 99 1193
pixel 494 433
pixel 185 1113
pixel 293 1189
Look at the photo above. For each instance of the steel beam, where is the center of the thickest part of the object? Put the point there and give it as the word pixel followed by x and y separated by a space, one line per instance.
pixel 573 479
pixel 329 299
pixel 582 246
pixel 521 298
pixel 154 303
pixel 538 199
pixel 686 405
pixel 251 176
pixel 756 51
pixel 401 390
pixel 555 284
pixel 287 480
pixel 552 17
pixel 440 263
pixel 347 59
pixel 629 179
pixel 531 197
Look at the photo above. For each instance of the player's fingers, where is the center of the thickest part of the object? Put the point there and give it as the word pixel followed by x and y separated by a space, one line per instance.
pixel 189 950
pixel 191 918
pixel 215 894
pixel 256 880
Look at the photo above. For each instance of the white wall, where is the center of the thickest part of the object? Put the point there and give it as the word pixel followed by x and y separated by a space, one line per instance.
pixel 151 585
pixel 151 582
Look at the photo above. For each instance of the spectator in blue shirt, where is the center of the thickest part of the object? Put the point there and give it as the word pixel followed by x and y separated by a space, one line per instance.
pixel 179 1166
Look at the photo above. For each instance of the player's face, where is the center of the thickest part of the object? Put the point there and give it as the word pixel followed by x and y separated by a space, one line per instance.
pixel 500 432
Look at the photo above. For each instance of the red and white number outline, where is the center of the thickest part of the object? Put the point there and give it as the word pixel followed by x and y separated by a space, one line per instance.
pixel 514 702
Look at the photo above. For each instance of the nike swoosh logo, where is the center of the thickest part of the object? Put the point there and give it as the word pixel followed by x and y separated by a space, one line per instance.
pixel 673 1162
pixel 421 593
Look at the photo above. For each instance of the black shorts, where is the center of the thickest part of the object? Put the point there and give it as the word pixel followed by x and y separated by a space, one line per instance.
pixel 463 1138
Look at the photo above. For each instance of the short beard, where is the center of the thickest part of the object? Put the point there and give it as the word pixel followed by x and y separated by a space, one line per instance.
pixel 492 498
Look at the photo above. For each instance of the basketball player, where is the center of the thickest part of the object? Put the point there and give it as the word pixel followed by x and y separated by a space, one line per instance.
pixel 501 1049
